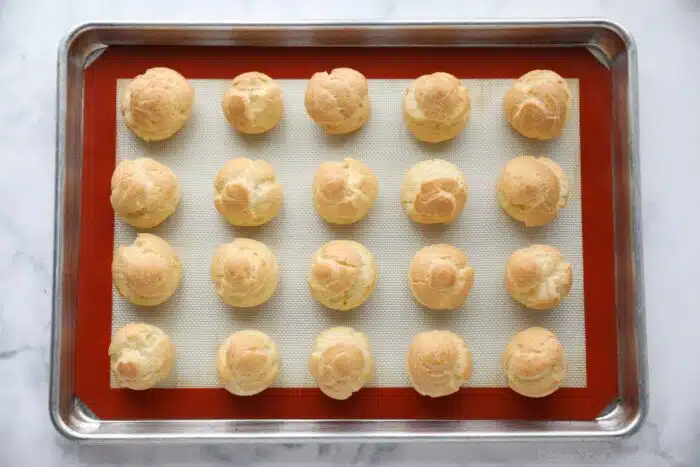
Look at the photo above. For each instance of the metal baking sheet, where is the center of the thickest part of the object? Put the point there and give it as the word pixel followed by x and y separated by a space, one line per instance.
pixel 609 41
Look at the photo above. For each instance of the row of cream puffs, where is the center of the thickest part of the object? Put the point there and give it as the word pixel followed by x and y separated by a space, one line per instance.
pixel 530 189
pixel 341 361
pixel 342 275
pixel 436 106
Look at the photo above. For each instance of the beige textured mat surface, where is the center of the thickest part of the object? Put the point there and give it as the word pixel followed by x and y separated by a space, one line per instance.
pixel 198 322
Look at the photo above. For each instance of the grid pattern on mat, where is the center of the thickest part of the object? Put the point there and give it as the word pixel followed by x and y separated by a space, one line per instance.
pixel 198 322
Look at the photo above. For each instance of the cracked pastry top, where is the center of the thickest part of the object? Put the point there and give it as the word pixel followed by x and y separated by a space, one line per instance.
pixel 438 363
pixel 245 272
pixel 341 362
pixel 147 272
pixel 343 274
pixel 246 192
pixel 156 104
pixel 436 107
pixel 344 192
pixel 538 277
pixel 440 277
pixel 247 362
pixel 433 192
pixel 538 105
pixel 141 355
pixel 534 362
pixel 338 101
pixel 144 192
pixel 254 103
pixel 532 190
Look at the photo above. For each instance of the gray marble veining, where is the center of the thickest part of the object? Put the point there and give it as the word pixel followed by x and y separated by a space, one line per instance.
pixel 668 38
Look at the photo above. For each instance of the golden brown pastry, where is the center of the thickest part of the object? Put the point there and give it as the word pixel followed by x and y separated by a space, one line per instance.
pixel 438 363
pixel 343 192
pixel 341 362
pixel 144 192
pixel 343 274
pixel 538 105
pixel 532 190
pixel 254 103
pixel 247 362
pixel 436 107
pixel 147 272
pixel 338 101
pixel 245 273
pixel 538 277
pixel 140 356
pixel 440 277
pixel 246 192
pixel 534 363
pixel 433 192
pixel 156 104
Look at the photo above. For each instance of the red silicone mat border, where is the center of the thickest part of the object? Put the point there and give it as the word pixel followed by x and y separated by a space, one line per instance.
pixel 97 234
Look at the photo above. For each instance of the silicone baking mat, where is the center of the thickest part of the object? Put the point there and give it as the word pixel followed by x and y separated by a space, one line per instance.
pixel 198 322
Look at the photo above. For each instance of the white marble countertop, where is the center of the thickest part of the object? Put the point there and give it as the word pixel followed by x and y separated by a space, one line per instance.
pixel 668 38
